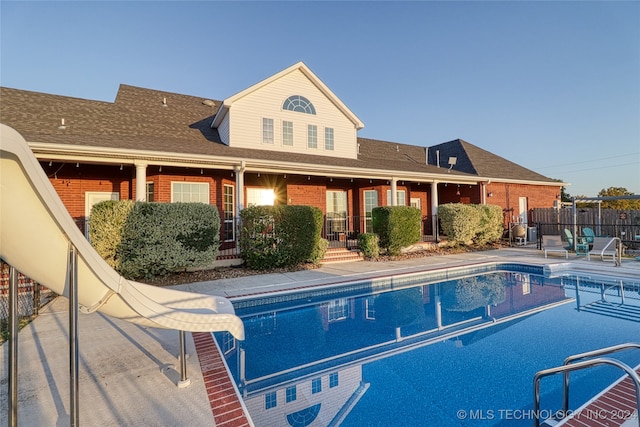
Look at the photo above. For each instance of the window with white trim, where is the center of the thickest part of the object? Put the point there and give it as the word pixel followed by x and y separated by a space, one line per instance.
pixel 287 132
pixel 298 103
pixel 328 139
pixel 291 394
pixel 370 202
pixel 270 400
pixel 260 197
pixel 402 197
pixel 316 385
pixel 312 136
pixel 228 207
pixel 333 380
pixel 150 192
pixel 338 309
pixel 370 308
pixel 187 192
pixel 267 131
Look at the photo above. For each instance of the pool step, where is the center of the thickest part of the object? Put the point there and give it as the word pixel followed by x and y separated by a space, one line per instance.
pixel 335 255
pixel 619 311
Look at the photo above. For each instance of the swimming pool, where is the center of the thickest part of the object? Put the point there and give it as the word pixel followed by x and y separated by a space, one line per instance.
pixel 450 348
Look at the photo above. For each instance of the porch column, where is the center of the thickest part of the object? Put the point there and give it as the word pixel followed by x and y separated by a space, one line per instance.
pixel 239 170
pixel 141 182
pixel 394 191
pixel 434 207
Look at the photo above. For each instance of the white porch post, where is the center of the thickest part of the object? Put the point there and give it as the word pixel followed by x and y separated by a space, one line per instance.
pixel 434 207
pixel 141 182
pixel 394 191
pixel 239 170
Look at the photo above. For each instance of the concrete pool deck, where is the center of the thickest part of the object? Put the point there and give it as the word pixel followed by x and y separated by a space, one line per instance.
pixel 129 374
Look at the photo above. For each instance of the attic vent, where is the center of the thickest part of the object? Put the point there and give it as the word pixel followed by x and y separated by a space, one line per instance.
pixel 209 102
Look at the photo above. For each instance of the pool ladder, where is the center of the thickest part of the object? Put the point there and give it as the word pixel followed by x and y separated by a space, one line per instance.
pixel 569 365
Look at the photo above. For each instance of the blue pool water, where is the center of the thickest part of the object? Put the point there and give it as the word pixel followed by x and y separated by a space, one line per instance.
pixel 447 349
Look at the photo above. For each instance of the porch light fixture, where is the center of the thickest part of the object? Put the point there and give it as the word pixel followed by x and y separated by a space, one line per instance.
pixel 458 191
pixel 309 178
pixel 258 174
pixel 201 171
pixel 489 194
pixel 285 176
pixel 50 162
pixel 121 166
pixel 160 168
pixel 77 165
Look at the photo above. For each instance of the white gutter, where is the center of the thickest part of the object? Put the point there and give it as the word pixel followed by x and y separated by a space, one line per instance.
pixel 91 154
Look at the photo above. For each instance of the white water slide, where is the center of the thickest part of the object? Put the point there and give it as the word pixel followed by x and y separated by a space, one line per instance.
pixel 36 233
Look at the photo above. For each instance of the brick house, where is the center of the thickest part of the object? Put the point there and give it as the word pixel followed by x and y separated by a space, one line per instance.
pixel 287 140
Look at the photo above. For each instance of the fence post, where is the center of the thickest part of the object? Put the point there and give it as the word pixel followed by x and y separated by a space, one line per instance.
pixel 72 280
pixel 13 347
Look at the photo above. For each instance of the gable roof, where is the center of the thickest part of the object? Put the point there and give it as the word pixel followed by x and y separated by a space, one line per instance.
pixel 300 66
pixel 164 127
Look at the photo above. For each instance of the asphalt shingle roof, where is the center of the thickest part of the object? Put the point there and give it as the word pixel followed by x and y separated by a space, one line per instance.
pixel 138 119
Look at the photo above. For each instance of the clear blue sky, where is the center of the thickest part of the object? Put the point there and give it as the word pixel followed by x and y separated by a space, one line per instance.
pixel 553 86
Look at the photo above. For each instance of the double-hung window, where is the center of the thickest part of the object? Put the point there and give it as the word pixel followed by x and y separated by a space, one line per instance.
pixel 312 136
pixel 328 139
pixel 287 133
pixel 267 131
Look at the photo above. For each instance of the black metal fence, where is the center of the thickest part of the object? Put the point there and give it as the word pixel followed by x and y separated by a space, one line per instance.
pixel 31 297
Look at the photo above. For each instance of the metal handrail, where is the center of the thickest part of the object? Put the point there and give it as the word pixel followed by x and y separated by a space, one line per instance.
pixel 575 367
pixel 589 354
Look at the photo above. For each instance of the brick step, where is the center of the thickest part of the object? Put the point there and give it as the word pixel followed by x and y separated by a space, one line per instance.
pixel 335 255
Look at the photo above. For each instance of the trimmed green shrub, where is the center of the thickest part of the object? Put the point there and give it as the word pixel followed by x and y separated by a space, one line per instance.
pixel 463 223
pixel 283 235
pixel 460 222
pixel 491 224
pixel 161 238
pixel 368 245
pixel 397 226
pixel 106 227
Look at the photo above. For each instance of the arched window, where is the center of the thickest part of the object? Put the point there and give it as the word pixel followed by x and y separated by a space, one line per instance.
pixel 300 104
pixel 304 417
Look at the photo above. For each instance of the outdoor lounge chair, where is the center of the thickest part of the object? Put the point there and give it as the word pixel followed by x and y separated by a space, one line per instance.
pixel 605 246
pixel 554 244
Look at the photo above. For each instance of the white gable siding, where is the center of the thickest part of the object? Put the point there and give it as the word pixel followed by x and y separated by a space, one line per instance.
pixel 223 130
pixel 245 128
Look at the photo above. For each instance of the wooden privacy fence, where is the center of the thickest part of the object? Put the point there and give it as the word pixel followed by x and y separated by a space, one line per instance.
pixel 608 222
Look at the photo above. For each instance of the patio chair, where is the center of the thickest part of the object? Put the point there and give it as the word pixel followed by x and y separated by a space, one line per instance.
pixel 605 246
pixel 553 244
pixel 569 237
pixel 588 234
